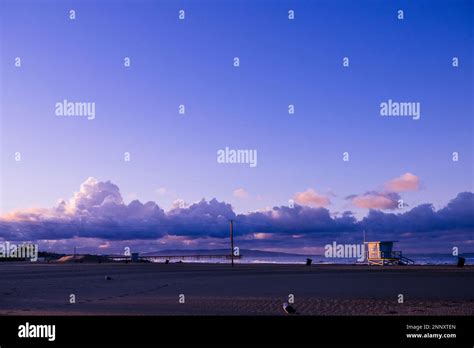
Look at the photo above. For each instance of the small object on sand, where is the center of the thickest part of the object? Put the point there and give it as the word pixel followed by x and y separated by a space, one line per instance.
pixel 107 278
pixel 461 261
pixel 308 262
pixel 167 261
pixel 289 309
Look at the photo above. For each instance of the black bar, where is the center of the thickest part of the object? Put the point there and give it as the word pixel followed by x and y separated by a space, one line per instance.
pixel 171 330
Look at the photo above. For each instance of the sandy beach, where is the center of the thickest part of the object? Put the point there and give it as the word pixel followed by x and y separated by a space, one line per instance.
pixel 218 289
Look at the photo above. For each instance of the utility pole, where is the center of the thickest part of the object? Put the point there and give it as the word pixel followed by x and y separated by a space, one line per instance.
pixel 365 249
pixel 232 242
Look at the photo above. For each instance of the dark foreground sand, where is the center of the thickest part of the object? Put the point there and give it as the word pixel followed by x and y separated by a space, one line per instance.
pixel 154 289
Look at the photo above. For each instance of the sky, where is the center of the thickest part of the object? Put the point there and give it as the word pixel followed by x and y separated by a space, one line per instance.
pixel 72 184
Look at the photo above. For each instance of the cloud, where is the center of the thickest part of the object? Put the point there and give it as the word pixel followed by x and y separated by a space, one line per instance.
pixel 387 199
pixel 311 198
pixel 97 213
pixel 262 235
pixel 97 210
pixel 376 200
pixel 104 245
pixel 299 219
pixel 93 197
pixel 406 182
pixel 241 193
pixel 457 215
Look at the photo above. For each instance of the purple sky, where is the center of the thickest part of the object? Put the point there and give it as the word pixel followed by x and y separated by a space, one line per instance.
pixel 300 155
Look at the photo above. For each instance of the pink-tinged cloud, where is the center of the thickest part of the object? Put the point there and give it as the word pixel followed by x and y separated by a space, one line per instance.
pixel 406 182
pixel 376 200
pixel 262 235
pixel 241 193
pixel 104 245
pixel 96 218
pixel 311 198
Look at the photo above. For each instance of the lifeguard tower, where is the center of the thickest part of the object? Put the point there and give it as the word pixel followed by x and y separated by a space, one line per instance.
pixel 381 253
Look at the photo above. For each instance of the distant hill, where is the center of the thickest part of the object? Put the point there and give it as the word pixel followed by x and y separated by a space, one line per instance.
pixel 244 252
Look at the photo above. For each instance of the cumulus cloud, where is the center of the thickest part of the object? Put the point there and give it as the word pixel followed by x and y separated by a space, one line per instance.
pixel 299 219
pixel 93 197
pixel 375 200
pixel 241 193
pixel 311 198
pixel 97 212
pixel 405 182
pixel 388 198
pixel 457 215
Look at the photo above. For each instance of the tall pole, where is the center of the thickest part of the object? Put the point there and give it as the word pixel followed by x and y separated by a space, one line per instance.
pixel 365 249
pixel 232 242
